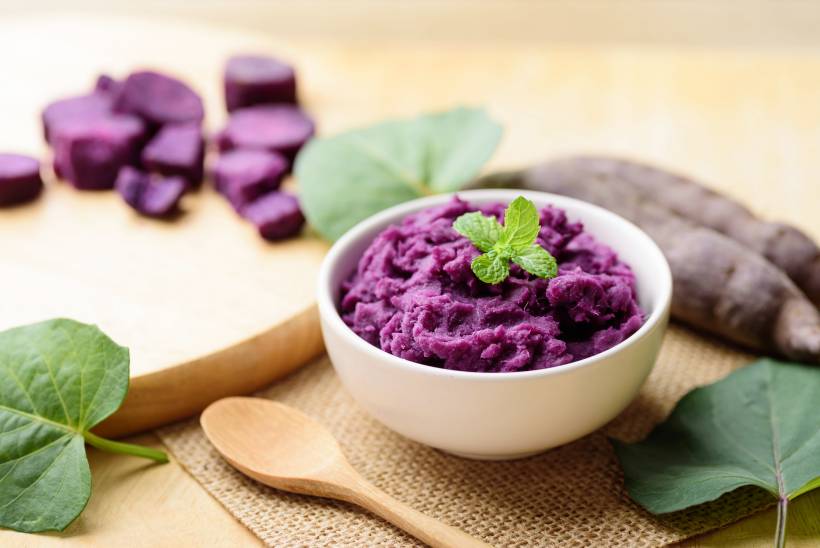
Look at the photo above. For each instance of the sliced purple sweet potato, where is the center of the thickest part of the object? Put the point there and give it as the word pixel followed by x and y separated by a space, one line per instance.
pixel 242 176
pixel 90 152
pixel 276 215
pixel 257 80
pixel 81 107
pixel 151 195
pixel 108 85
pixel 159 99
pixel 20 179
pixel 178 149
pixel 277 128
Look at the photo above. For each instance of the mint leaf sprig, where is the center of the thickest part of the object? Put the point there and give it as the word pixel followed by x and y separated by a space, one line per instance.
pixel 514 241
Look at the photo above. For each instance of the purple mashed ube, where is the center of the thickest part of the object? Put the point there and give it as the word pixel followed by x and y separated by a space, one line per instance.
pixel 415 296
pixel 90 152
pixel 150 194
pixel 257 80
pixel 178 149
pixel 243 176
pixel 276 215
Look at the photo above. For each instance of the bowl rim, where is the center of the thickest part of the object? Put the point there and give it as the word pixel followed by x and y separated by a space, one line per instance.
pixel 329 312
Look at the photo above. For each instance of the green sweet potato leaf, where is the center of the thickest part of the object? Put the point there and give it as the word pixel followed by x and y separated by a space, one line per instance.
pixel 58 379
pixel 758 426
pixel 345 178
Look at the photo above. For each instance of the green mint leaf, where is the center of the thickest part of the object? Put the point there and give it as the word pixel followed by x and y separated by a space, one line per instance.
pixel 504 243
pixel 490 268
pixel 481 230
pixel 758 426
pixel 537 261
pixel 521 224
pixel 58 379
pixel 346 178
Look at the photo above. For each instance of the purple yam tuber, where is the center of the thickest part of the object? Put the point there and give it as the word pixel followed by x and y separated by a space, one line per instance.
pixel 20 179
pixel 178 149
pixel 242 176
pixel 276 215
pixel 277 128
pixel 82 107
pixel 784 245
pixel 150 194
pixel 256 80
pixel 720 285
pixel 159 99
pixel 89 153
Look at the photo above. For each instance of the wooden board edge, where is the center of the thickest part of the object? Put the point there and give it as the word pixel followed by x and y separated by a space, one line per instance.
pixel 181 391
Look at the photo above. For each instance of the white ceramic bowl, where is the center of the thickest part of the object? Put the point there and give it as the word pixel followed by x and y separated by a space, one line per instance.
pixel 498 415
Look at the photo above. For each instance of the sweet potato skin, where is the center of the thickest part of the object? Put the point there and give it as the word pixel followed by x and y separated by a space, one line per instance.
pixel 784 245
pixel 720 285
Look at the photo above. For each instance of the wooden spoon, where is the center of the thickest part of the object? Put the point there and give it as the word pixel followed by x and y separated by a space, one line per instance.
pixel 284 448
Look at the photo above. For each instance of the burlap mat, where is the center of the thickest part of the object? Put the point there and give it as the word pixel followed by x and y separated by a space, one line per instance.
pixel 570 496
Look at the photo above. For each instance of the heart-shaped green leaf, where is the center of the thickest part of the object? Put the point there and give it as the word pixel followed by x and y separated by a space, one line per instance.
pixel 758 426
pixel 58 379
pixel 346 178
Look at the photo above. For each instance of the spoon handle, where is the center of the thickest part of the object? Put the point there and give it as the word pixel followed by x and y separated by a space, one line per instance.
pixel 424 528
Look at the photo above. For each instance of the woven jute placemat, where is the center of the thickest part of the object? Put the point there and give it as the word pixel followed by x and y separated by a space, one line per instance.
pixel 570 496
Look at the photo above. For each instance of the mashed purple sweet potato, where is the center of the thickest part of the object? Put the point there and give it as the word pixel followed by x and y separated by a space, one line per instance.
pixel 415 296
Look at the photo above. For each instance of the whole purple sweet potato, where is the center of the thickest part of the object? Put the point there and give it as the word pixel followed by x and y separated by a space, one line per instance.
pixel 90 152
pixel 242 176
pixel 150 194
pixel 20 179
pixel 159 99
pixel 178 149
pixel 257 80
pixel 81 107
pixel 277 128
pixel 276 215
pixel 720 285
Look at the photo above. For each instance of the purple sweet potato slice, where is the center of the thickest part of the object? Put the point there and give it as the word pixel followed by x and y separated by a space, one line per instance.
pixel 276 215
pixel 178 149
pixel 277 128
pixel 257 80
pixel 159 99
pixel 151 195
pixel 242 176
pixel 107 85
pixel 81 107
pixel 20 179
pixel 90 152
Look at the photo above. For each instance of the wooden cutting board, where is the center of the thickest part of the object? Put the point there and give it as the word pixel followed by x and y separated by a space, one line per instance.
pixel 207 308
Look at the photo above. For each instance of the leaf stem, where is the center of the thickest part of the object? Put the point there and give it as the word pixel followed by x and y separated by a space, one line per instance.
pixel 124 448
pixel 780 530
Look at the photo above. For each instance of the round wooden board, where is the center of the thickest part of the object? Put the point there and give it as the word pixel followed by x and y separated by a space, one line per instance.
pixel 207 308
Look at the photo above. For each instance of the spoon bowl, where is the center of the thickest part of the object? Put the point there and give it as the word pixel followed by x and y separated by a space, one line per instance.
pixel 282 447
pixel 295 446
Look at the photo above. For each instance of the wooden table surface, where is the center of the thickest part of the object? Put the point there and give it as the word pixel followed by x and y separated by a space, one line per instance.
pixel 746 121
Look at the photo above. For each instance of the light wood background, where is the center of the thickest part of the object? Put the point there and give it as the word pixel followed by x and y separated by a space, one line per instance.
pixel 727 91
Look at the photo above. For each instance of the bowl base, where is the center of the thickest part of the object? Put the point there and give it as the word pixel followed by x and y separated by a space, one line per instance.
pixel 480 456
